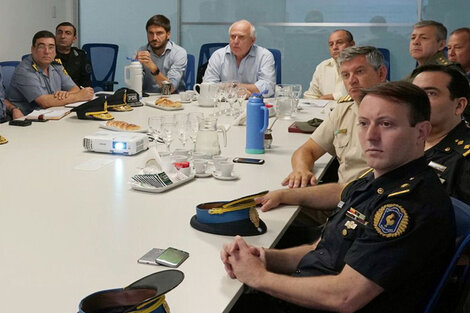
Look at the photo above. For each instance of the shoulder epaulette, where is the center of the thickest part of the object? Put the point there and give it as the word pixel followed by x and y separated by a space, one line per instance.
pixel 35 66
pixel 354 180
pixel 346 98
pixel 59 62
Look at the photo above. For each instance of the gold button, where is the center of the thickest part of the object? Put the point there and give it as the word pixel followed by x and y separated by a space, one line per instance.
pixel 344 232
pixel 380 191
pixel 466 147
pixel 460 142
pixel 447 149
pixel 411 178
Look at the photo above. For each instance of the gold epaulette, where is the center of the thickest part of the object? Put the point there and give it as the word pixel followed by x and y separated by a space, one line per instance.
pixel 350 182
pixel 3 140
pixel 346 98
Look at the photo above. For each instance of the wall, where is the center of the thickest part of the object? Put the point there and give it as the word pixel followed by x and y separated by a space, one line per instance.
pixel 21 19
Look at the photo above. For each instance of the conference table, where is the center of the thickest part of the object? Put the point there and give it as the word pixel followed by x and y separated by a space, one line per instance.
pixel 66 231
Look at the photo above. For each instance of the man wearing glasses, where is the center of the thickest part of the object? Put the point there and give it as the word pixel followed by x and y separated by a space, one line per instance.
pixel 41 82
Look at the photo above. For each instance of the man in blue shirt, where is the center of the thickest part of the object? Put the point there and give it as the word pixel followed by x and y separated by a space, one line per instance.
pixel 39 81
pixel 162 59
pixel 7 109
pixel 243 61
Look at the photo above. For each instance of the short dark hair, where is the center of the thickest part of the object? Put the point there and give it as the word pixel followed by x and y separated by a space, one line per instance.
pixel 42 34
pixel 67 24
pixel 405 93
pixel 458 85
pixel 349 36
pixel 461 30
pixel 441 30
pixel 159 20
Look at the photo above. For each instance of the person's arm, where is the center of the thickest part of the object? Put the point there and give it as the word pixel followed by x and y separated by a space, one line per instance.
pixel 302 162
pixel 144 58
pixel 177 68
pixel 266 76
pixel 12 109
pixel 319 197
pixel 313 91
pixel 331 292
pixel 75 94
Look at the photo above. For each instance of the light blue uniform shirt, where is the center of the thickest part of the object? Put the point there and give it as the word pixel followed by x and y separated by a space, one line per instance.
pixel 172 64
pixel 29 82
pixel 257 67
pixel 2 104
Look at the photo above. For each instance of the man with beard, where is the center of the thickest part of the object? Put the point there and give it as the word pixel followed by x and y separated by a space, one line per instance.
pixel 162 59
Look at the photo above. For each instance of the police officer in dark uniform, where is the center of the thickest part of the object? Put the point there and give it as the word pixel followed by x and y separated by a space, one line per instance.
pixel 389 241
pixel 448 146
pixel 74 60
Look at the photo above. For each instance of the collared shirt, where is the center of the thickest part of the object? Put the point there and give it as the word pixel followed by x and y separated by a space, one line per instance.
pixel 439 59
pixel 77 65
pixel 326 80
pixel 397 230
pixel 338 135
pixel 29 82
pixel 3 109
pixel 257 67
pixel 450 158
pixel 172 64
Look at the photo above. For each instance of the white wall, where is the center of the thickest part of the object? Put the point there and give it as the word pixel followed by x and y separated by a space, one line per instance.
pixel 21 19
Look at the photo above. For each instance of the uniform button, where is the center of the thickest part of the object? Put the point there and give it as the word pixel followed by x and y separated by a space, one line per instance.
pixel 380 191
pixel 321 253
pixel 297 271
pixel 447 149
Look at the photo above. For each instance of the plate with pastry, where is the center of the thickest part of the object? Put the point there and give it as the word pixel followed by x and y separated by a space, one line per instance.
pixel 121 126
pixel 163 103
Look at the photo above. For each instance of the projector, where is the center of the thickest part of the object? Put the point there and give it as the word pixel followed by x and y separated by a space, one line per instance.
pixel 116 142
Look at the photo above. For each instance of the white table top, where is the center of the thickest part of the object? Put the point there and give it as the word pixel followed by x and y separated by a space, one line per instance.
pixel 66 233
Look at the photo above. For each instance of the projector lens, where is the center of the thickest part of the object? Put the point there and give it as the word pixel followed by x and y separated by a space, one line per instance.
pixel 118 145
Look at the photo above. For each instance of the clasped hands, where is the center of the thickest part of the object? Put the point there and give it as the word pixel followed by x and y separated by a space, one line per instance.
pixel 244 262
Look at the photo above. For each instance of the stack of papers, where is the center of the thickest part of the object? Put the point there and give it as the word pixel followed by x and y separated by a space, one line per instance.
pixel 55 113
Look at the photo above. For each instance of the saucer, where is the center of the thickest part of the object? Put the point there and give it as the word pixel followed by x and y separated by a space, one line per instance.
pixel 201 175
pixel 217 175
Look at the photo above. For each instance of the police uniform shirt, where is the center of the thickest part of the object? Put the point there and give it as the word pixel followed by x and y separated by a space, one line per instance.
pixel 172 64
pixel 450 158
pixel 338 136
pixel 397 230
pixel 29 82
pixel 437 59
pixel 3 113
pixel 77 65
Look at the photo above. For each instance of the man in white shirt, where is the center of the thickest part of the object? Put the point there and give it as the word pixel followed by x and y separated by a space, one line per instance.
pixel 326 81
pixel 243 61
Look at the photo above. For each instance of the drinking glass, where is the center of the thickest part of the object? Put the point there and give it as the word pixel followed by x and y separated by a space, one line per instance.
pixel 193 123
pixel 169 130
pixel 242 92
pixel 182 126
pixel 285 105
pixel 296 94
pixel 155 127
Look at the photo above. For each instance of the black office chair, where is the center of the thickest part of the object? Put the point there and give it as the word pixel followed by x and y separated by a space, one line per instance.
pixel 452 289
pixel 7 68
pixel 103 59
pixel 190 75
pixel 386 54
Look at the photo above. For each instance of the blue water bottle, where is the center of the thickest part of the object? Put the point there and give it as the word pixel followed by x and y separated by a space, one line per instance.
pixel 257 117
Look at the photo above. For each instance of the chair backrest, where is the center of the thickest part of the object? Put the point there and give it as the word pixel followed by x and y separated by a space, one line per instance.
pixel 190 75
pixel 7 68
pixel 457 273
pixel 206 51
pixel 277 64
pixel 25 56
pixel 209 48
pixel 103 59
pixel 386 54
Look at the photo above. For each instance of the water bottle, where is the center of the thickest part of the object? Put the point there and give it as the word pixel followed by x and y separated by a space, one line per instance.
pixel 135 77
pixel 257 116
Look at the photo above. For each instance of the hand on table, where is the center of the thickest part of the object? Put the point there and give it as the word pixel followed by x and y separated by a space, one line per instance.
pixel 86 93
pixel 270 200
pixel 233 248
pixel 299 178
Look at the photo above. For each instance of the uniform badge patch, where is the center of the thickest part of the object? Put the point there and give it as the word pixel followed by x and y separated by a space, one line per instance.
pixel 391 220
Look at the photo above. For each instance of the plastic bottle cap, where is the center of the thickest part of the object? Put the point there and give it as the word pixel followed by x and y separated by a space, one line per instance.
pixel 268 105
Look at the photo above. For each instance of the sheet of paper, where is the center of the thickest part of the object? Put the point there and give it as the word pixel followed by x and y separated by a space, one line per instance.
pixel 49 114
pixel 319 103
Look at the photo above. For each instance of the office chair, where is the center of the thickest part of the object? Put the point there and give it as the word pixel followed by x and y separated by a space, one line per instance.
pixel 451 291
pixel 103 59
pixel 25 56
pixel 386 54
pixel 190 74
pixel 7 68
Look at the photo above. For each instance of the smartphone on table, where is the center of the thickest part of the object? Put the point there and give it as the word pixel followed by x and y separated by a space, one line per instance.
pixel 249 161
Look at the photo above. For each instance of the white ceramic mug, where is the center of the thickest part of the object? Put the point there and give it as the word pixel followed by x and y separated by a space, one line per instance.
pixel 226 168
pixel 217 159
pixel 206 94
pixel 200 166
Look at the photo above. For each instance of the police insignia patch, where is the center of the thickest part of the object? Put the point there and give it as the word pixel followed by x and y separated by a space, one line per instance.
pixel 391 220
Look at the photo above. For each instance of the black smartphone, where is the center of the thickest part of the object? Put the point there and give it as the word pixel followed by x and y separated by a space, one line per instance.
pixel 20 122
pixel 248 161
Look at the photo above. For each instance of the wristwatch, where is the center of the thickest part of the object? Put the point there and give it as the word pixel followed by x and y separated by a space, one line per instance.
pixel 156 72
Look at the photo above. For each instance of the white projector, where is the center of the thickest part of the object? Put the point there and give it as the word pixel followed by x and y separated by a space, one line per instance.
pixel 116 142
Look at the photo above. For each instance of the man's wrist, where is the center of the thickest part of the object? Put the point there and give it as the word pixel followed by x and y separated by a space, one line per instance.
pixel 156 72
pixel 12 108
